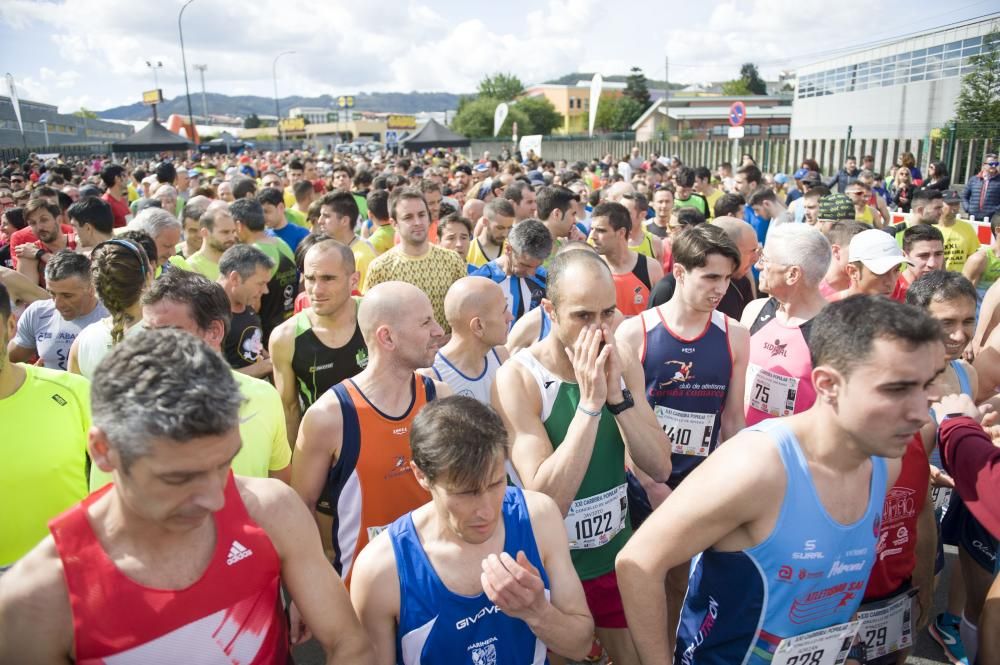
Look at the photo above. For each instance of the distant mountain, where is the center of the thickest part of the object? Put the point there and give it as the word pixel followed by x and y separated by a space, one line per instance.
pixel 242 106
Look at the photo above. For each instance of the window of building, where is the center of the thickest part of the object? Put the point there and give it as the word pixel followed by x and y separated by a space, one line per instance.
pixel 924 64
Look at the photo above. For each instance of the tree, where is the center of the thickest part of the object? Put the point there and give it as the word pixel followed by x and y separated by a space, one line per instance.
pixel 748 73
pixel 501 87
pixel 636 87
pixel 617 114
pixel 542 115
pixel 251 121
pixel 736 88
pixel 475 119
pixel 85 113
pixel 979 99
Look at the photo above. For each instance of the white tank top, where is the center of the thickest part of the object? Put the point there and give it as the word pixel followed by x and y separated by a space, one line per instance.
pixel 477 387
pixel 94 342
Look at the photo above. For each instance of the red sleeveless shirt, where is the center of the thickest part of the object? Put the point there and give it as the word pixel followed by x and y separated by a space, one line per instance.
pixel 897 542
pixel 231 615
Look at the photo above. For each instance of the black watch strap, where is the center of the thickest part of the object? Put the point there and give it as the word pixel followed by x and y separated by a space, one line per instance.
pixel 624 405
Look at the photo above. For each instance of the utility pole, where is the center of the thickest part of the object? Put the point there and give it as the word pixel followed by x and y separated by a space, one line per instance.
pixel 666 91
pixel 204 100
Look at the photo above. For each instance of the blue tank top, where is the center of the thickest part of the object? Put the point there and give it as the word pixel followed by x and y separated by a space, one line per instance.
pixel 687 382
pixel 810 573
pixel 965 386
pixel 439 626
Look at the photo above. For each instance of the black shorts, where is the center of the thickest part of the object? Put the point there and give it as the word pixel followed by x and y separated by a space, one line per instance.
pixel 961 529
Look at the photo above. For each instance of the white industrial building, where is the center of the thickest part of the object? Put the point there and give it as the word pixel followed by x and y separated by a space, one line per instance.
pixel 899 89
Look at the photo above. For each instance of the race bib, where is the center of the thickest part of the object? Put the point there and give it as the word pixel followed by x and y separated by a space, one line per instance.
pixel 690 433
pixel 941 496
pixel 826 646
pixel 887 626
pixel 594 521
pixel 772 393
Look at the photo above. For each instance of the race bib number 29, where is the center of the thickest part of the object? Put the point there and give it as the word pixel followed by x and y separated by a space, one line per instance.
pixel 826 646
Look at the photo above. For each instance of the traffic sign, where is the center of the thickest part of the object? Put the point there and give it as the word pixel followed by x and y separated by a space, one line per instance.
pixel 737 114
pixel 391 138
pixel 737 132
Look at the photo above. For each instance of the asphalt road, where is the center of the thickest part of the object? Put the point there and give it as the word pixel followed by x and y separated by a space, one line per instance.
pixel 927 652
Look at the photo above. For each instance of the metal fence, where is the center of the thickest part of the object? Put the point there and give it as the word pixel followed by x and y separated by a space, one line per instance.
pixel 76 150
pixel 963 156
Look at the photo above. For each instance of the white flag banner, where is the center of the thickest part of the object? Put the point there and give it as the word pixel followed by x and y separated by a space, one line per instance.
pixel 532 143
pixel 595 97
pixel 14 101
pixel 499 115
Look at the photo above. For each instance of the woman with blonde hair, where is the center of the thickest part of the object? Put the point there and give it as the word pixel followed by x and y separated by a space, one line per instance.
pixel 902 190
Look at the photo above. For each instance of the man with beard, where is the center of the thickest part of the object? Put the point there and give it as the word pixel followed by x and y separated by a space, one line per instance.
pixel 218 233
pixel 43 219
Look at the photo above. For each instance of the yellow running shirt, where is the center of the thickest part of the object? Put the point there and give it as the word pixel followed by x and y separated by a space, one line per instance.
pixel 262 428
pixel 44 472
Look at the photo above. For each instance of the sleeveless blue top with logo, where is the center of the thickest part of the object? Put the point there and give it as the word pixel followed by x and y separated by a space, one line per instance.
pixel 809 573
pixel 439 626
pixel 687 382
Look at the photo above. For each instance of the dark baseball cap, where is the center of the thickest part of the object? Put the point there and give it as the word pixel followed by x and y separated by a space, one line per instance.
pixel 835 207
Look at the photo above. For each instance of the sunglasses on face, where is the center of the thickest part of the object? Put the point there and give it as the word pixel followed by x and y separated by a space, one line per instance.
pixel 987 164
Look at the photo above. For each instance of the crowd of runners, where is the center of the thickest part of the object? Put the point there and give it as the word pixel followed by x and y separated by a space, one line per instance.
pixel 440 409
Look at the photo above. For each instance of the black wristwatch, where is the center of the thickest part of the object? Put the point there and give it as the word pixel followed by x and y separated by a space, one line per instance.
pixel 626 403
pixel 39 254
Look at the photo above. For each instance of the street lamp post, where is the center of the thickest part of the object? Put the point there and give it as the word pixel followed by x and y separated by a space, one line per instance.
pixel 277 107
pixel 45 126
pixel 187 90
pixel 154 65
pixel 204 100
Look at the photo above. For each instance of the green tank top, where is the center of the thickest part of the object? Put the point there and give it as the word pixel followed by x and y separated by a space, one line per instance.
pixel 598 525
pixel 992 270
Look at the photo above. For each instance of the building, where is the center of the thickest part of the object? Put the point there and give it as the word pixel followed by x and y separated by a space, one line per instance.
pixel 899 89
pixel 707 117
pixel 63 129
pixel 573 101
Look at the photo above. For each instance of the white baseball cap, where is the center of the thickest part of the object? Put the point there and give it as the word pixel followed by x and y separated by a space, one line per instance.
pixel 877 250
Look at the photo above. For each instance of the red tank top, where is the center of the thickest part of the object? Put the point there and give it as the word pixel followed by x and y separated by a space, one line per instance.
pixel 632 288
pixel 232 615
pixel 897 541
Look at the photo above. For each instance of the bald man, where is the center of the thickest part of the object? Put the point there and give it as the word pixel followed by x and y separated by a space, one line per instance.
pixel 473 209
pixel 741 289
pixel 567 402
pixel 477 311
pixel 352 456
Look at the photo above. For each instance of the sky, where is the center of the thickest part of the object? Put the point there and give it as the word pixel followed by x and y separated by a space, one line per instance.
pixel 93 53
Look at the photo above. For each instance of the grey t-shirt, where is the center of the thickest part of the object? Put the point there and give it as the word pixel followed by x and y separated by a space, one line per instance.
pixel 43 329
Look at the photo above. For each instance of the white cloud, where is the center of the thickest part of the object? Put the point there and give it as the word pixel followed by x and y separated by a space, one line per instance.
pixel 94 51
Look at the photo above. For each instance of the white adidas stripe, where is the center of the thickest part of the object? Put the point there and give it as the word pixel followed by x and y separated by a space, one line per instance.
pixel 237 552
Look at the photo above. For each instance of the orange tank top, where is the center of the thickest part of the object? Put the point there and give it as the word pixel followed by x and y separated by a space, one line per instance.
pixel 632 288
pixel 372 483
